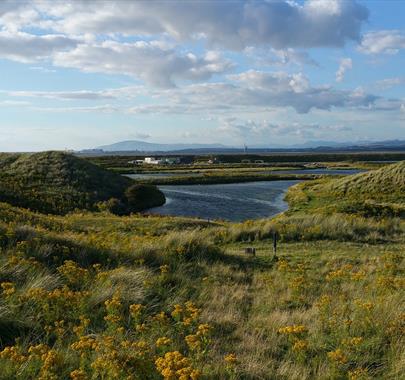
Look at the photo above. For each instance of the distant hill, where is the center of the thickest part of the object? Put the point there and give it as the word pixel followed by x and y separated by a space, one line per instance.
pixel 143 146
pixel 309 146
pixel 56 182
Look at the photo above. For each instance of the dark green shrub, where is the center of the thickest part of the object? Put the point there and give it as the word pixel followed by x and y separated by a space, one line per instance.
pixel 141 197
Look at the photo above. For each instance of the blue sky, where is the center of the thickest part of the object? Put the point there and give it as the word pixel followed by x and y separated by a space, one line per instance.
pixel 81 74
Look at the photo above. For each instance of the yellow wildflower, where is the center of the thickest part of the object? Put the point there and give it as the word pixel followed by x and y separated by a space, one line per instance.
pixel 338 356
pixel 203 329
pixel 193 342
pixel 178 310
pixel 358 373
pixel 230 359
pixel 136 309
pixel 12 353
pixel 355 341
pixel 163 341
pixel 164 269
pixel 294 329
pixel 173 365
pixel 300 345
pixel 78 374
pixel 8 288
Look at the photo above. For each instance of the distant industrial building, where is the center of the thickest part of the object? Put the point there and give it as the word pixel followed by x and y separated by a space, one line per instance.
pixel 157 161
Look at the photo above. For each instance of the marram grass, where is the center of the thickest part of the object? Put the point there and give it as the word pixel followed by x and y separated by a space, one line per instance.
pixel 96 296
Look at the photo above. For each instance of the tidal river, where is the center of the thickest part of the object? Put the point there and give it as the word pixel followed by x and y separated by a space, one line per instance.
pixel 234 201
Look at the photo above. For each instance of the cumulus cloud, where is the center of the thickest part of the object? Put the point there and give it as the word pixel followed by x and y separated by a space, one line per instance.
pixel 152 62
pixel 281 57
pixel 253 90
pixel 122 37
pixel 265 130
pixel 24 47
pixel 383 42
pixel 280 24
pixel 250 92
pixel 345 64
pixel 15 15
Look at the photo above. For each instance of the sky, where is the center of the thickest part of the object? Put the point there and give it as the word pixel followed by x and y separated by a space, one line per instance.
pixel 80 74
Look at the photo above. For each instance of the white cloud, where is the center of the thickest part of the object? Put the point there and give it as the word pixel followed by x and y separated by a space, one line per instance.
pixel 15 15
pixel 247 92
pixel 345 64
pixel 280 57
pixel 67 95
pixel 150 61
pixel 280 24
pixel 266 131
pixel 24 47
pixel 383 42
pixel 387 83
pixel 252 91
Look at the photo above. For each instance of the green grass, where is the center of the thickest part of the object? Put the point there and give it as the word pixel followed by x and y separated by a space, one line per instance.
pixel 386 183
pixel 58 183
pixel 377 193
pixel 224 177
pixel 97 296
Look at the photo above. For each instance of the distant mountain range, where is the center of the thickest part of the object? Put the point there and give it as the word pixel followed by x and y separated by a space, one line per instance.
pixel 143 146
pixel 317 146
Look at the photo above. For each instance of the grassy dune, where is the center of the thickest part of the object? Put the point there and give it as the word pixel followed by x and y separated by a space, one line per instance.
pixel 376 193
pixel 97 296
pixel 385 183
pixel 58 183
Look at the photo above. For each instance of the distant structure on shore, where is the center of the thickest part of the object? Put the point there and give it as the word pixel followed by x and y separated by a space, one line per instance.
pixel 157 161
pixel 245 148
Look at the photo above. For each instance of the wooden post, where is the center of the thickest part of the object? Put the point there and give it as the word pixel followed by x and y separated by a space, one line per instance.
pixel 251 251
pixel 275 244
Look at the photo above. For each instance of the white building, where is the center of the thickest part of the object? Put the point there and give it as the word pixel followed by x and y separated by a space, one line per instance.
pixel 155 161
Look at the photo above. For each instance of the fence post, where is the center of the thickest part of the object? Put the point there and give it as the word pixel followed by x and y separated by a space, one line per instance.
pixel 275 244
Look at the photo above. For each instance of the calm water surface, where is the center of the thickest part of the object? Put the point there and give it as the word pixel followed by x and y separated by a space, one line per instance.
pixel 297 171
pixel 235 202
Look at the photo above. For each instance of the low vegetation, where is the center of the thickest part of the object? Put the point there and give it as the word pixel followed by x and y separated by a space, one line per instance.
pixel 377 193
pixel 92 295
pixel 57 183
pixel 224 177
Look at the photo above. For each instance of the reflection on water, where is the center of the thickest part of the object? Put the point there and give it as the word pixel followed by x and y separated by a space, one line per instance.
pixel 235 202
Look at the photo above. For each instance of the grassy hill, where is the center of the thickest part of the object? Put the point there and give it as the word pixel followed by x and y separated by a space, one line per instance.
pixel 387 182
pixel 378 193
pixel 56 182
